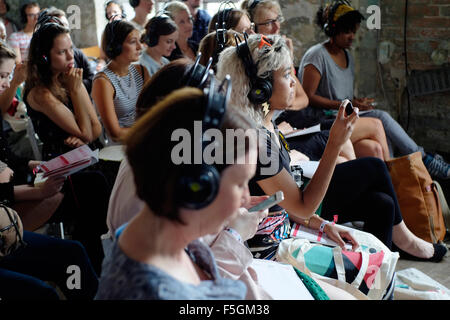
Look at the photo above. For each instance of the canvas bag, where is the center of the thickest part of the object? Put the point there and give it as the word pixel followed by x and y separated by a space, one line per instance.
pixel 370 268
pixel 444 205
pixel 418 197
pixel 11 231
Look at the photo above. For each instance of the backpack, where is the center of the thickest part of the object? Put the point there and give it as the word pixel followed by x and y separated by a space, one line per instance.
pixel 418 197
pixel 11 231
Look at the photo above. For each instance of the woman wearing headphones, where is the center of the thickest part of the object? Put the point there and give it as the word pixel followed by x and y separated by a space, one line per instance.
pixel 148 261
pixel 57 100
pixel 64 118
pixel 267 16
pixel 20 41
pixel 185 48
pixel 327 72
pixel 260 70
pixel 116 88
pixel 142 9
pixel 161 34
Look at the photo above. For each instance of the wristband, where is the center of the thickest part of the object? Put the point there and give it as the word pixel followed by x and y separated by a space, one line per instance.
pixel 322 226
pixel 235 234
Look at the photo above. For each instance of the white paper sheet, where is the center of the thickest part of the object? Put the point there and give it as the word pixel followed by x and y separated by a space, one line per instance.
pixel 280 280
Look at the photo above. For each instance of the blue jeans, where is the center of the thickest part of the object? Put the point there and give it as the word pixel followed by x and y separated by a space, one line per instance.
pixel 396 136
pixel 22 273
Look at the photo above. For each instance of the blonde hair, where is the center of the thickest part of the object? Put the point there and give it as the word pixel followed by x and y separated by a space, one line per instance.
pixel 263 4
pixel 175 7
pixel 267 60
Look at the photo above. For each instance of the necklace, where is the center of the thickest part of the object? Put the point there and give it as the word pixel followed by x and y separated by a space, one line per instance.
pixel 127 85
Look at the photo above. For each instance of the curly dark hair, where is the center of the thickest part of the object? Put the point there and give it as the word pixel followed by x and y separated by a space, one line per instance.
pixel 344 24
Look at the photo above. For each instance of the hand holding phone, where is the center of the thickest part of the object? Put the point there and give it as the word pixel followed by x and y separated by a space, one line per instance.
pixel 348 107
pixel 269 202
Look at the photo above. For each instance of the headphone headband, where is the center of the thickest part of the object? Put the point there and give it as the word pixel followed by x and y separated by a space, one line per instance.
pixel 198 74
pixel 151 39
pixel 253 4
pixel 199 184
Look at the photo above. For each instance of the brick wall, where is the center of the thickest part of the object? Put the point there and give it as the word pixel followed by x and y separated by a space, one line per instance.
pixel 428 29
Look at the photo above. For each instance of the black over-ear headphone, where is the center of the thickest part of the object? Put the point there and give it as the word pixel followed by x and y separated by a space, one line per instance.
pixel 253 4
pixel 199 184
pixel 330 26
pixel 260 88
pixel 111 50
pixel 134 3
pixel 221 30
pixel 198 74
pixel 151 37
pixel 45 22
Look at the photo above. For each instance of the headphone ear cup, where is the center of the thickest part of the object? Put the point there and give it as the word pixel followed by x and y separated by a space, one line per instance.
pixel 261 91
pixel 152 38
pixel 198 186
pixel 134 3
pixel 114 52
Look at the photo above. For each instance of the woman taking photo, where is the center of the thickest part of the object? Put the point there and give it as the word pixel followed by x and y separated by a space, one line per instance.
pixel 327 73
pixel 371 198
pixel 116 88
pixel 368 137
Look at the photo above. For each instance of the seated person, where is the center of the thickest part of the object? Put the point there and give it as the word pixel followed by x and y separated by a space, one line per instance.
pixel 309 147
pixel 182 264
pixel 81 61
pixel 10 25
pixel 25 273
pixel 327 74
pixel 142 9
pixel 160 35
pixel 234 19
pixel 185 48
pixel 233 258
pixel 201 19
pixel 20 40
pixel 64 118
pixel 368 138
pixel 117 86
pixel 372 198
pixel 57 101
pixel 114 10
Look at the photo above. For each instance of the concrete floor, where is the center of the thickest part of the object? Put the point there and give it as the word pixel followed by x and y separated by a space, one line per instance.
pixel 440 272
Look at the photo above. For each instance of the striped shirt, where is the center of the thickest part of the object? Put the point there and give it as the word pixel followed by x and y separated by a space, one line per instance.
pixel 126 93
pixel 22 41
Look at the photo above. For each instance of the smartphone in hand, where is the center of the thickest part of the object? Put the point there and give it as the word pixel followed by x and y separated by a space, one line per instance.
pixel 269 202
pixel 348 107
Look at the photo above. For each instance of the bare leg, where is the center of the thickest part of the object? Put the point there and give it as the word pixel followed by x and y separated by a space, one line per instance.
pixel 34 214
pixel 368 148
pixel 347 153
pixel 371 128
pixel 408 242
